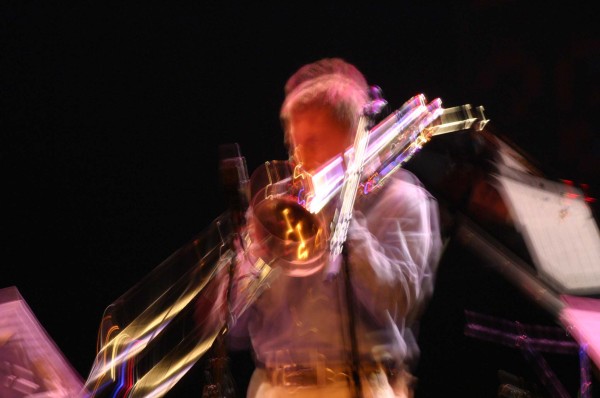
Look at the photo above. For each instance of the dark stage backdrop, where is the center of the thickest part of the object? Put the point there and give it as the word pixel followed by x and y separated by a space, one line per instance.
pixel 112 114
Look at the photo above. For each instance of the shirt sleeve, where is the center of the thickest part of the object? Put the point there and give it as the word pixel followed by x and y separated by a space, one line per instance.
pixel 394 245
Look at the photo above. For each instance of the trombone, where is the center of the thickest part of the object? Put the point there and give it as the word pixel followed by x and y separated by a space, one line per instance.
pixel 152 335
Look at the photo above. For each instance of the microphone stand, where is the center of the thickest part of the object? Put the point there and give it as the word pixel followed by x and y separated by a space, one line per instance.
pixel 234 181
pixel 338 244
pixel 350 305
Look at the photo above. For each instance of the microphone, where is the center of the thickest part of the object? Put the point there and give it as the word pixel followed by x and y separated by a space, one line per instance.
pixel 234 182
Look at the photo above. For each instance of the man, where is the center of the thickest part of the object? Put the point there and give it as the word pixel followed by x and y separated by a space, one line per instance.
pixel 308 336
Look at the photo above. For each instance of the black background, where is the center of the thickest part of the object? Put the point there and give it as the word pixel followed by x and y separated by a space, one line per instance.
pixel 112 114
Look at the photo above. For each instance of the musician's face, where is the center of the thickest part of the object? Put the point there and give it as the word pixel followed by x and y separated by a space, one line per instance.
pixel 316 136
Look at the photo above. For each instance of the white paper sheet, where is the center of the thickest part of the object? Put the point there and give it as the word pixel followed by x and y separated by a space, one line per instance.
pixel 558 228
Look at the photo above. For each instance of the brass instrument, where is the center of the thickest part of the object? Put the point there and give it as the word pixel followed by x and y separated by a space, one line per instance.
pixel 287 202
pixel 155 332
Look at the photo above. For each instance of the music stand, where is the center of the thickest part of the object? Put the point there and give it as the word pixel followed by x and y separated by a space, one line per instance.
pixel 31 365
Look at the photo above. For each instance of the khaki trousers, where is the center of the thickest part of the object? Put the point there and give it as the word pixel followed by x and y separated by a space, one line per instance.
pixel 375 385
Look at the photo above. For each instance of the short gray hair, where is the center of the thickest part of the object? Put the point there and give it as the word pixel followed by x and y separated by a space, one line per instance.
pixel 329 82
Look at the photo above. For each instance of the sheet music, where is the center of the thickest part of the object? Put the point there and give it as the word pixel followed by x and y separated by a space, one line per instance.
pixel 558 228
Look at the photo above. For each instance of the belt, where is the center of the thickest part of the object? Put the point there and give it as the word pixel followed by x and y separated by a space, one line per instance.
pixel 294 375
